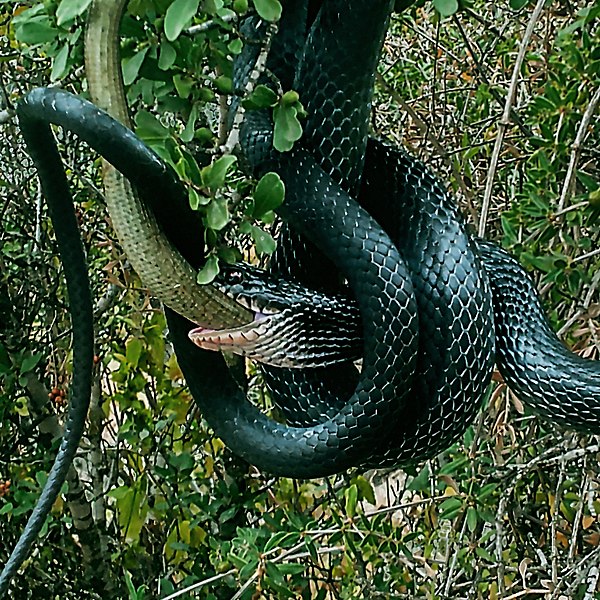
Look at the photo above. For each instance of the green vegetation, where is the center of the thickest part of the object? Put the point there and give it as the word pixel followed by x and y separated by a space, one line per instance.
pixel 155 503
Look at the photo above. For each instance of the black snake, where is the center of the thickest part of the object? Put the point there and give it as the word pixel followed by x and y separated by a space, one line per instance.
pixel 390 417
pixel 455 337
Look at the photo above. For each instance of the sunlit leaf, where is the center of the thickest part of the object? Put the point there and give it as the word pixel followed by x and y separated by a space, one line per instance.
pixel 446 8
pixel 269 10
pixel 268 195
pixel 69 9
pixel 209 271
pixel 179 16
pixel 287 129
pixel 213 176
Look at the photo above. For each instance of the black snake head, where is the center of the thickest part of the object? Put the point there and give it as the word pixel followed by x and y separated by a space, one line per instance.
pixel 293 327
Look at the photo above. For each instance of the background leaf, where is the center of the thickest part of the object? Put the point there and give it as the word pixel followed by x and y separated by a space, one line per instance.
pixel 179 16
pixel 269 10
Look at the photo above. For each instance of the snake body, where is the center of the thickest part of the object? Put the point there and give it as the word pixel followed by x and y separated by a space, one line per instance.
pixel 338 443
pixel 337 418
pixel 553 381
pixel 149 245
pixel 337 80
pixel 559 385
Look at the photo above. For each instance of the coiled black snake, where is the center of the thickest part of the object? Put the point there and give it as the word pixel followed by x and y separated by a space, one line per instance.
pixel 455 341
pixel 381 423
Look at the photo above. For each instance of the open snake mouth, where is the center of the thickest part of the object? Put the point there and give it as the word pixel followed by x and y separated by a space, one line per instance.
pixel 242 338
pixel 230 338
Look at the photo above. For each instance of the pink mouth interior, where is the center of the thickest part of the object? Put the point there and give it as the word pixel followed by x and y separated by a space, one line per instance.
pixel 258 316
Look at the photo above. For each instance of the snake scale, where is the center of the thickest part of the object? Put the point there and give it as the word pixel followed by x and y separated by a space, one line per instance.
pixel 420 302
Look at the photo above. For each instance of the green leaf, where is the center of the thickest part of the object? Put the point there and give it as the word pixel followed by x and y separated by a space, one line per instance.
pixel 228 514
pixel 132 511
pixel 224 84
pixel 217 214
pixel 59 64
pixel 483 553
pixel 291 568
pixel 229 254
pixel 282 539
pixel 29 362
pixel 446 8
pixel 183 85
pixel 518 4
pixel 274 573
pixel 69 9
pixel 510 231
pixel 269 10
pixel 133 351
pixel 130 586
pixel 149 128
pixel 196 199
pixel 213 176
pixel 454 466
pixel 235 46
pixel 351 495
pixel 287 128
pixel 240 6
pixel 265 244
pixel 290 98
pixel 421 481
pixel 209 271
pixel 365 488
pixel 132 66
pixel 486 490
pixel 187 135
pixel 472 519
pixel 204 135
pixel 179 16
pixel 37 30
pixel 261 97
pixel 182 462
pixel 212 7
pixel 594 198
pixel 450 508
pixel 167 56
pixel 590 183
pixel 268 195
pixel 119 493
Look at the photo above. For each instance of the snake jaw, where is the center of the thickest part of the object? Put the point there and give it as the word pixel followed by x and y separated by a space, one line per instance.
pixel 258 340
pixel 238 337
pixel 284 311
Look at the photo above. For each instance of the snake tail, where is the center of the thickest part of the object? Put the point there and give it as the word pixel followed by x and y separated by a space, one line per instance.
pixel 42 149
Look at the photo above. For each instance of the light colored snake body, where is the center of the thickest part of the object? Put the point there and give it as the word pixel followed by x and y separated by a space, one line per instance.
pixel 160 266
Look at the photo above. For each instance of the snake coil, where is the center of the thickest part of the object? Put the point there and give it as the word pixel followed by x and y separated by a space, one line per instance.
pixel 421 286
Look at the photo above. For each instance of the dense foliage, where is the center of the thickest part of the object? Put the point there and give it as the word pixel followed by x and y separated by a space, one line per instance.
pixel 154 503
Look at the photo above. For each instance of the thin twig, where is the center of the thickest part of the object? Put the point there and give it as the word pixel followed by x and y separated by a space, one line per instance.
pixel 208 25
pixel 200 584
pixel 525 130
pixel 505 120
pixel 576 150
pixel 431 138
pixel 586 256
